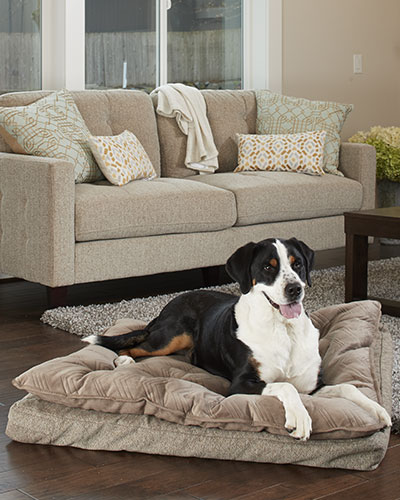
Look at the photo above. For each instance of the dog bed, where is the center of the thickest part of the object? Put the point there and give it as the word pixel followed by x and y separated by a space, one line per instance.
pixel 166 406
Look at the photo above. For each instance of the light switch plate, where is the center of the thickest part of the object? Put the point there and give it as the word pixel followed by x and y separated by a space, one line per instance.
pixel 357 63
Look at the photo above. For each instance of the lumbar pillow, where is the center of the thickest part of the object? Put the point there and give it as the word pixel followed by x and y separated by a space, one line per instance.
pixel 286 152
pixel 122 158
pixel 278 114
pixel 51 127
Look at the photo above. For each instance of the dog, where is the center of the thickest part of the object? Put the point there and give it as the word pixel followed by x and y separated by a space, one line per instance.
pixel 263 342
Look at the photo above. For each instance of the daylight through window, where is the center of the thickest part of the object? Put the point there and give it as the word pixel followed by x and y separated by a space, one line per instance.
pixel 20 45
pixel 204 43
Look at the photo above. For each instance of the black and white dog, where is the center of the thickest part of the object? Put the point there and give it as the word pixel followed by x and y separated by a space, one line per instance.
pixel 262 341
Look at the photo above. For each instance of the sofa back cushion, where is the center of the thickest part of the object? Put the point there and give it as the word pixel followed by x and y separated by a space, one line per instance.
pixel 106 112
pixel 229 112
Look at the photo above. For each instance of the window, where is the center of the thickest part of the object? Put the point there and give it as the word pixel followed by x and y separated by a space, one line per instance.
pixel 121 44
pixel 143 43
pixel 199 42
pixel 20 45
pixel 205 43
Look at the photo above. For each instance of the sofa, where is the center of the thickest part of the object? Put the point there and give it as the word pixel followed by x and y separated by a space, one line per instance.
pixel 58 233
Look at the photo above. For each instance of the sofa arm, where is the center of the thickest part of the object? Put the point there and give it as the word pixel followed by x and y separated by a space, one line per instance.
pixel 37 197
pixel 358 162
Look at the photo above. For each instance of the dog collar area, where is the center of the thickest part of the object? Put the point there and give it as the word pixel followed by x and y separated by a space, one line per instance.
pixel 288 311
pixel 270 301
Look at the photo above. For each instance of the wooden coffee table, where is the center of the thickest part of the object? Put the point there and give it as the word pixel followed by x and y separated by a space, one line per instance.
pixel 381 222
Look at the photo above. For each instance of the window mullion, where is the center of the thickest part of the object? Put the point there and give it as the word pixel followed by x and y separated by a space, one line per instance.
pixel 162 41
pixel 262 44
pixel 63 44
pixel 53 44
pixel 75 44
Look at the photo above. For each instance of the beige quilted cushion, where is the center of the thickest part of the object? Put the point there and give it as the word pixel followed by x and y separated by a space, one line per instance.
pixel 106 112
pixel 172 389
pixel 229 112
pixel 146 208
pixel 283 196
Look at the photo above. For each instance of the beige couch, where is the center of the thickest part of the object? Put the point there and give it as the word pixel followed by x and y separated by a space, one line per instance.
pixel 57 233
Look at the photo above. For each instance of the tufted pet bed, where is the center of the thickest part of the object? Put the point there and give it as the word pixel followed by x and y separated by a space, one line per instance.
pixel 166 406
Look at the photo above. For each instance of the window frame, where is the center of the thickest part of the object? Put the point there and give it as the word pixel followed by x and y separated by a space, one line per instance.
pixel 63 44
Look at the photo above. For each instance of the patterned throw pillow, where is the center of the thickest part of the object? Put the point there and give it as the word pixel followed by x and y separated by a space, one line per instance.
pixel 122 158
pixel 278 114
pixel 51 127
pixel 302 153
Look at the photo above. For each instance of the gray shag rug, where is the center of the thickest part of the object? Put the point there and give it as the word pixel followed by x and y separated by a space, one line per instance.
pixel 327 289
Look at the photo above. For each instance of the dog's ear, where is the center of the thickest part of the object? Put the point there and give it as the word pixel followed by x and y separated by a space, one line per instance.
pixel 238 266
pixel 308 255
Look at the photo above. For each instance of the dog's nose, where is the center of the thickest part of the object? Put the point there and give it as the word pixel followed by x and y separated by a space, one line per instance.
pixel 293 291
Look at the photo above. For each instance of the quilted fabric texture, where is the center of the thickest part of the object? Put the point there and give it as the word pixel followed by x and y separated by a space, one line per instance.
pixel 302 152
pixel 278 114
pixel 33 420
pixel 122 158
pixel 51 127
pixel 169 388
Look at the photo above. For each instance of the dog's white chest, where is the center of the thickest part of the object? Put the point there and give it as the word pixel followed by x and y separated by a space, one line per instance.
pixel 282 351
pixel 271 348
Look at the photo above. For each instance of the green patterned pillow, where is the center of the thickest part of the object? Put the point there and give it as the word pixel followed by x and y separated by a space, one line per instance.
pixel 51 127
pixel 278 114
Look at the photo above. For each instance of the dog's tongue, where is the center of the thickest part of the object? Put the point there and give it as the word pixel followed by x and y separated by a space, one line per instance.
pixel 290 311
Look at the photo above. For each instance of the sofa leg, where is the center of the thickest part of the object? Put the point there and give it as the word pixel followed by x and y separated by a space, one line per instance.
pixel 211 275
pixel 57 297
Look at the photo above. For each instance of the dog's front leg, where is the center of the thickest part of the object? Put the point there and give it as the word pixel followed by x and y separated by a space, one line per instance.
pixel 350 392
pixel 298 421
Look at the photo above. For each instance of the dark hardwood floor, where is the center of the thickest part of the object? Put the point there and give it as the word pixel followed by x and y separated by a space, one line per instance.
pixel 46 472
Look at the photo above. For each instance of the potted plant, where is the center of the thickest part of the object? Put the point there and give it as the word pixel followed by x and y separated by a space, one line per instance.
pixel 386 141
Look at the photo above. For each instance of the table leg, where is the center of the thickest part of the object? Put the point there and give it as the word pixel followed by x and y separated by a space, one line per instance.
pixel 356 276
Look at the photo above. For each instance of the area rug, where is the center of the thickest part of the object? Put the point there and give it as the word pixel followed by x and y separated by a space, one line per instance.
pixel 327 289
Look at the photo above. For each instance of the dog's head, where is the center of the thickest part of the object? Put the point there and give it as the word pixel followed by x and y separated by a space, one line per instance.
pixel 279 269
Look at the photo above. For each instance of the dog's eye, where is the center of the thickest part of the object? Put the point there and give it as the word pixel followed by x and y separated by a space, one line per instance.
pixel 296 265
pixel 268 267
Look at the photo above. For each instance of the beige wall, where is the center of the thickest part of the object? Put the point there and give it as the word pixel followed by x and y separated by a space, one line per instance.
pixel 319 40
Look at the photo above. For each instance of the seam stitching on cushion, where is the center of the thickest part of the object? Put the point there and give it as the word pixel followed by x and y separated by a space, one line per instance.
pixel 252 433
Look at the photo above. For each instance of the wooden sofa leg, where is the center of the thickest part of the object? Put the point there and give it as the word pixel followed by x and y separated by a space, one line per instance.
pixel 211 275
pixel 57 297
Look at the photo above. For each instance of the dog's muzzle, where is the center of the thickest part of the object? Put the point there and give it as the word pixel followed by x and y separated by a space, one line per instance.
pixel 293 291
pixel 288 311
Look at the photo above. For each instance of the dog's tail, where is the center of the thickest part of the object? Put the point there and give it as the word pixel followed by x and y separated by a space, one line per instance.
pixel 118 342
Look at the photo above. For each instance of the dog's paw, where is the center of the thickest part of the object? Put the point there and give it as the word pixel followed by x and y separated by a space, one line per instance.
pixel 298 423
pixel 123 360
pixel 380 413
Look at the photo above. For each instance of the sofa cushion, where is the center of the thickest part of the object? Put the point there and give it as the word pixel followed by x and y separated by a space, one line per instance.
pixel 279 114
pixel 282 196
pixel 121 158
pixel 146 208
pixel 229 112
pixel 106 112
pixel 51 127
pixel 302 153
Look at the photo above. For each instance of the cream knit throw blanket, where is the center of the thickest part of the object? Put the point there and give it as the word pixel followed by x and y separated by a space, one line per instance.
pixel 187 106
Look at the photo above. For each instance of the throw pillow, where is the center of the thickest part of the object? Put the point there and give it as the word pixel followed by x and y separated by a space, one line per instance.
pixel 278 114
pixel 51 127
pixel 302 153
pixel 122 158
